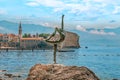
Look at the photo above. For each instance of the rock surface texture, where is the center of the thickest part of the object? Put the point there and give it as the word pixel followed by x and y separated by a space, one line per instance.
pixel 60 72
pixel 71 40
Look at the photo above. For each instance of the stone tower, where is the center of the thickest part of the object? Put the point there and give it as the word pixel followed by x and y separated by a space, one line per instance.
pixel 20 31
pixel 62 23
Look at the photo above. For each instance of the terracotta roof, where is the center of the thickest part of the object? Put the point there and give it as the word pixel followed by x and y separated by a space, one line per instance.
pixel 32 38
pixel 11 35
pixel 1 34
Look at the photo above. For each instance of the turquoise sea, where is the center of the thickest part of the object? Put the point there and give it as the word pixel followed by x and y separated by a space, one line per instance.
pixel 102 56
pixel 105 62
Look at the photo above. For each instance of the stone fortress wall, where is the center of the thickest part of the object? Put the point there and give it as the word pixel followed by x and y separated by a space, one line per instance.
pixel 71 40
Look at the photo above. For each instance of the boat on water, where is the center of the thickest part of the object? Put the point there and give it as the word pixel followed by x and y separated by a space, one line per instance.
pixel 66 50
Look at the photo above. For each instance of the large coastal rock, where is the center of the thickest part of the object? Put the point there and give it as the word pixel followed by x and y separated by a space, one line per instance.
pixel 71 40
pixel 60 72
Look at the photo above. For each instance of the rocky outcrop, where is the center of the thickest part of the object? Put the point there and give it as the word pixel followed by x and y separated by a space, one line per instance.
pixel 60 72
pixel 4 75
pixel 71 40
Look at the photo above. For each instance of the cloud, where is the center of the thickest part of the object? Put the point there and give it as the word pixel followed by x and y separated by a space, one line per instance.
pixel 94 31
pixel 101 32
pixel 46 24
pixel 77 6
pixel 112 21
pixel 58 9
pixel 80 28
pixel 32 4
pixel 110 27
pixel 2 11
pixel 48 3
pixel 108 1
pixel 92 9
pixel 116 10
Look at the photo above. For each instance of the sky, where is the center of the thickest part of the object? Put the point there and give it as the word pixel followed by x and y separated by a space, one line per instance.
pixel 79 14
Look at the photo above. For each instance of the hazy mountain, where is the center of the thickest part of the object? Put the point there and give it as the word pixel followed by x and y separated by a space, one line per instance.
pixel 10 27
pixel 115 30
pixel 86 38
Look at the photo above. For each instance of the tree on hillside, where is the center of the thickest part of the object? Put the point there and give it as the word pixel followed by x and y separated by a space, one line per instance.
pixel 25 35
pixel 44 35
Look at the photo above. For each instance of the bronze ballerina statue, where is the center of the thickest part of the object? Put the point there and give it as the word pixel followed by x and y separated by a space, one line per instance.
pixel 55 42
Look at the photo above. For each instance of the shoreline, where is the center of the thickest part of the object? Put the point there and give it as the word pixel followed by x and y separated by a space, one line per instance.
pixel 25 49
pixel 43 49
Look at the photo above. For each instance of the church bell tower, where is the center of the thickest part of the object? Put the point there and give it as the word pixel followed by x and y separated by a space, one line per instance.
pixel 20 31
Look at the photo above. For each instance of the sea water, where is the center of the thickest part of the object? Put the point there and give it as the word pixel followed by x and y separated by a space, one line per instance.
pixel 104 61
